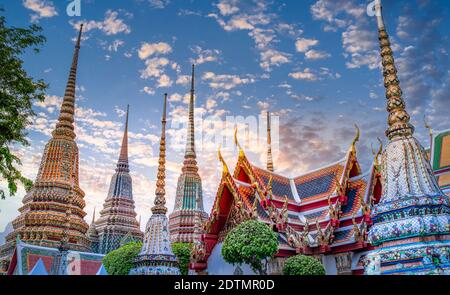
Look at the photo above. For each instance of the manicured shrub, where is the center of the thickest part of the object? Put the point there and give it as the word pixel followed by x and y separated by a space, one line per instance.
pixel 252 242
pixel 183 253
pixel 303 265
pixel 120 261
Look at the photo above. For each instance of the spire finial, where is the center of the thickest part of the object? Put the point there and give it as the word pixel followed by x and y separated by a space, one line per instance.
pixel 93 216
pixel 160 200
pixel 269 145
pixel 398 119
pixel 192 78
pixel 123 157
pixel 64 126
pixel 190 140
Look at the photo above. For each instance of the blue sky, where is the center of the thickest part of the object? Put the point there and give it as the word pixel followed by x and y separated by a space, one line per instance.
pixel 314 64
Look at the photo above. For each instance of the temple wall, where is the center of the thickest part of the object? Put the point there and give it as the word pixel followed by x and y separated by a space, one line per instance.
pixel 218 266
pixel 329 263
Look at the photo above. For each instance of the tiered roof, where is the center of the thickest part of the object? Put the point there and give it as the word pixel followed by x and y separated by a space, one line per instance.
pixel 189 195
pixel 52 212
pixel 117 220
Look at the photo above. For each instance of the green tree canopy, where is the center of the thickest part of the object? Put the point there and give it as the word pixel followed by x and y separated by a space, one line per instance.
pixel 251 242
pixel 120 261
pixel 183 253
pixel 18 91
pixel 303 265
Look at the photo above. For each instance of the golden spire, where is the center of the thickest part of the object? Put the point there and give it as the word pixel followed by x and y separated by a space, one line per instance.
pixel 398 119
pixel 124 148
pixel 160 200
pixel 190 140
pixel 64 126
pixel 269 146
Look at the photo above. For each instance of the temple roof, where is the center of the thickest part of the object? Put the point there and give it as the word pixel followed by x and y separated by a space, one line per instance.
pixel 32 259
pixel 301 203
pixel 311 186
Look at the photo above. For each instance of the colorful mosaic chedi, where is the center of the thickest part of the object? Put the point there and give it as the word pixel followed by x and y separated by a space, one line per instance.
pixel 52 212
pixel 189 196
pixel 412 220
pixel 156 256
pixel 117 224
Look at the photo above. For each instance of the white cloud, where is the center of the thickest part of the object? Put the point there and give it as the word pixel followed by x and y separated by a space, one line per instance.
pixel 361 46
pixel 42 9
pixel 164 81
pixel 183 80
pixel 111 25
pixel 227 7
pixel 210 103
pixel 159 4
pixel 272 57
pixel 316 54
pixel 205 55
pixel 120 112
pixel 154 67
pixel 175 97
pixel 307 75
pixel 115 45
pixel 303 44
pixel 225 81
pixel 148 90
pixel 260 26
pixel 149 49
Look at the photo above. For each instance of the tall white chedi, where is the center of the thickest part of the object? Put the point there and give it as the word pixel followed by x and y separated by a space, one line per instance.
pixel 412 220
pixel 156 256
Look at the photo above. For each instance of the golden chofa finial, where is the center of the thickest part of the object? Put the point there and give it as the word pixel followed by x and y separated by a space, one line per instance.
pixel 339 188
pixel 236 142
pixel 377 153
pixel 355 139
pixel 224 164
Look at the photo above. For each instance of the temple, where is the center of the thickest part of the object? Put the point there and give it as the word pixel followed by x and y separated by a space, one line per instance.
pixel 325 213
pixel 391 219
pixel 117 224
pixel 50 227
pixel 410 229
pixel 156 256
pixel 189 198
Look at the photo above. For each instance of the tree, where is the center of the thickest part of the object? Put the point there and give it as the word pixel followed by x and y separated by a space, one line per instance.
pixel 120 261
pixel 18 91
pixel 183 253
pixel 251 242
pixel 303 265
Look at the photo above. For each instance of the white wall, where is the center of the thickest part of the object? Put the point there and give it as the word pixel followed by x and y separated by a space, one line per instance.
pixel 329 262
pixel 218 266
